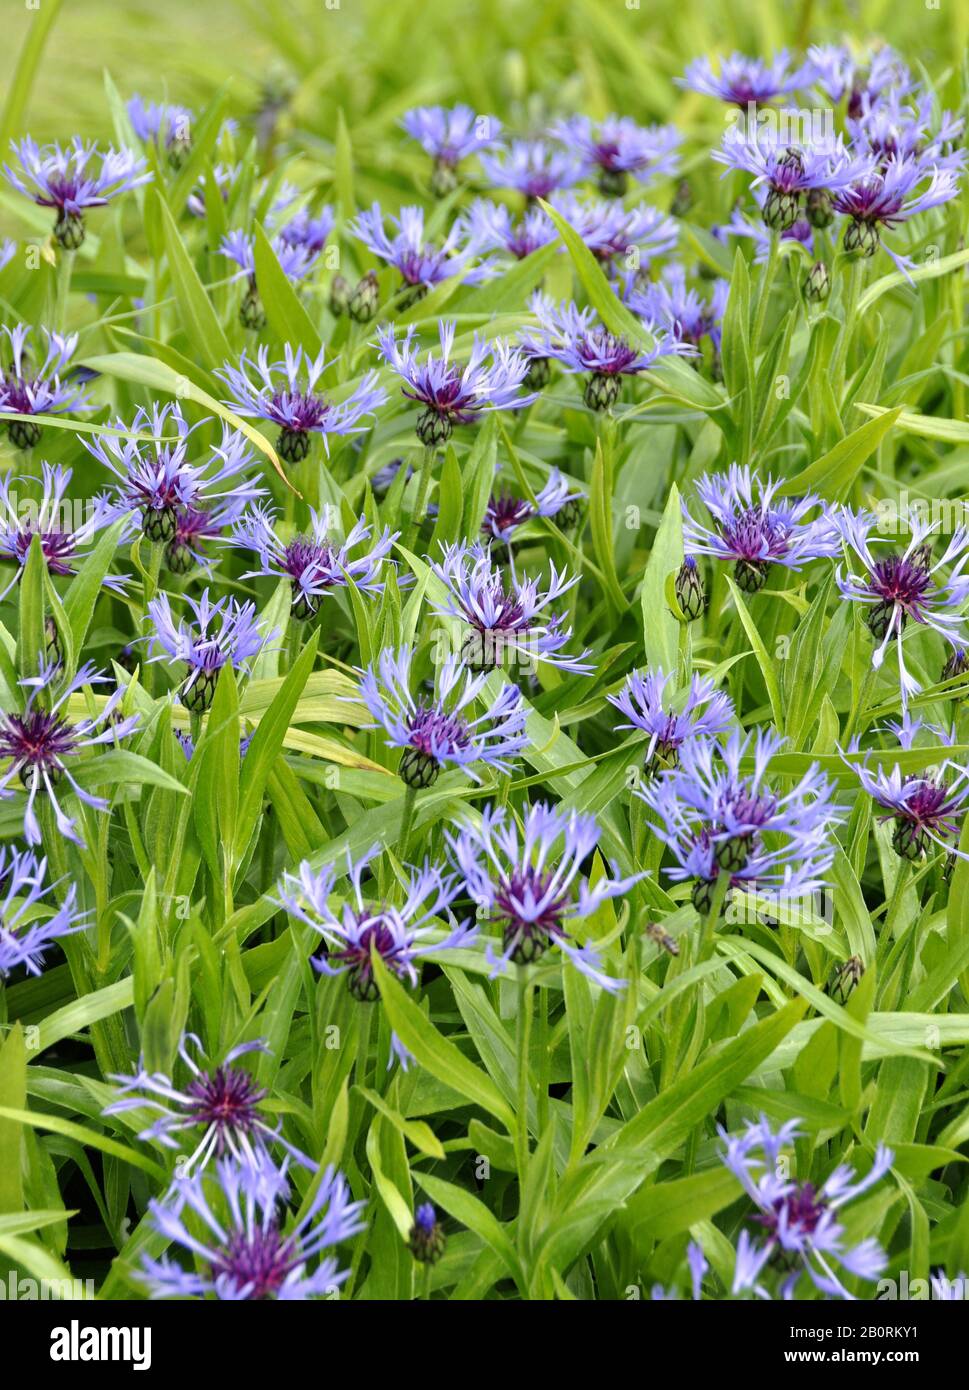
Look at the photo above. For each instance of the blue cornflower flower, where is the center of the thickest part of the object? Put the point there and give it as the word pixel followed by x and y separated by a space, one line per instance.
pixel 668 301
pixel 284 393
pixel 575 338
pixel 887 197
pixel 493 228
pixel 449 393
pixel 29 389
pixel 788 169
pixel 702 712
pixel 740 225
pixel 617 147
pixel 505 512
pixel 841 74
pixel 421 265
pixel 8 249
pixel 949 1290
pixel 926 807
pixel 533 167
pixel 313 561
pixel 222 633
pixel 244 1249
pixel 800 1221
pixel 156 478
pixel 529 883
pixel 28 925
pixel 437 730
pixel 426 1241
pixel 908 586
pixel 504 621
pixel 52 519
pixel 167 126
pixel 225 1103
pixel 40 742
pixel 716 817
pixel 449 135
pixel 898 126
pixel 743 81
pixel 400 934
pixel 197 526
pixel 306 231
pixel 612 231
pixel 755 529
pixel 296 259
pixel 66 180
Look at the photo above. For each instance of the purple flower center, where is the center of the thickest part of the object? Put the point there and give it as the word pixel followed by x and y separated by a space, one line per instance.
pixel 757 535
pixel 37 739
pixel 296 410
pixel 303 554
pixel 606 353
pixel 903 581
pixel 228 1099
pixel 260 1258
pixel 799 1212
pixel 57 546
pixel 431 729
pixel 506 512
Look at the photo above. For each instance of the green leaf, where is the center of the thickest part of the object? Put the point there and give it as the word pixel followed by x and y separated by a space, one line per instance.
pixel 440 1057
pixel 285 311
pixel 198 318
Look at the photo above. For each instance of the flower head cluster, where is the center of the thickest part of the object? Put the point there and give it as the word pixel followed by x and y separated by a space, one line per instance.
pixel 41 743
pixel 505 512
pixel 29 926
pixel 718 817
pixel 450 135
pixel 887 197
pixel 755 528
pixel 224 1103
pixel 312 561
pixel 614 232
pixel 899 587
pixel 532 167
pixel 31 386
pixel 529 882
pixel 926 808
pixel 72 180
pixel 505 620
pixel 493 228
pixel 800 1221
pixel 575 338
pixel 451 394
pixel 703 712
pixel 788 170
pixel 858 80
pixel 742 81
pixel 167 126
pixel 51 520
pixel 286 394
pixel 437 730
pixel 156 479
pixel 682 311
pixel 222 633
pixel 400 934
pixel 420 264
pixel 233 1225
pixel 617 147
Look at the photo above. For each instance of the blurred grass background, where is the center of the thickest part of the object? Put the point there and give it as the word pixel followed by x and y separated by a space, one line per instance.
pixel 359 53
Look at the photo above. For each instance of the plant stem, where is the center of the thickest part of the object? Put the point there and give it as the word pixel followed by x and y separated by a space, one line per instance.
pixel 763 293
pixel 406 821
pixel 712 919
pixel 851 293
pixel 523 1043
pixel 65 269
pixel 861 704
pixel 423 485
